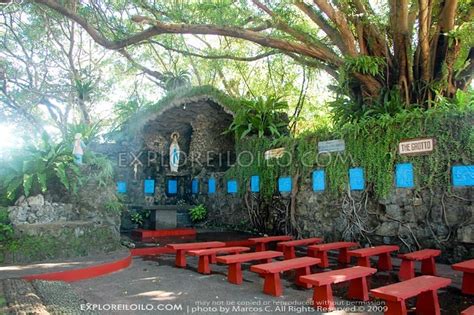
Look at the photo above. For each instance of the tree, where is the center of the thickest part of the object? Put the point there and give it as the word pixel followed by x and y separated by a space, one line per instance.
pixel 418 48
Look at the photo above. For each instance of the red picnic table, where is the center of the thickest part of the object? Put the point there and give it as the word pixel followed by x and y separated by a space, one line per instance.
pixel 261 242
pixel 383 251
pixel 288 247
pixel 467 267
pixel 181 249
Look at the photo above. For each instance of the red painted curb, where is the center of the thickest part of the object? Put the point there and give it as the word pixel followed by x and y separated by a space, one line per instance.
pixel 142 234
pixel 84 273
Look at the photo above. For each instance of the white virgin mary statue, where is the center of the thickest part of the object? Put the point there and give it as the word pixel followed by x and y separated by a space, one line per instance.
pixel 174 152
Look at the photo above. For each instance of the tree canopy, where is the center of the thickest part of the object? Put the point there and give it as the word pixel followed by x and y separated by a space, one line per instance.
pixel 411 51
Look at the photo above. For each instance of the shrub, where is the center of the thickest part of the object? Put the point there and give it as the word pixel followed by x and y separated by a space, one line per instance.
pixel 198 213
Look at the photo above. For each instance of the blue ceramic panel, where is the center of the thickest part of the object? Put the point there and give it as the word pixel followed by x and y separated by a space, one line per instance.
pixel 319 180
pixel 463 175
pixel 284 184
pixel 172 186
pixel 404 175
pixel 211 186
pixel 195 186
pixel 149 186
pixel 232 186
pixel 121 187
pixel 255 183
pixel 356 178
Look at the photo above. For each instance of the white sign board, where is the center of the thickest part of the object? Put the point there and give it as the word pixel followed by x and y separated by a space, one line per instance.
pixel 331 146
pixel 416 146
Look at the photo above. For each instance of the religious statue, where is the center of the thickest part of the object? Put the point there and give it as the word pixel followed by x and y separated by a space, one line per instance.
pixel 78 149
pixel 174 152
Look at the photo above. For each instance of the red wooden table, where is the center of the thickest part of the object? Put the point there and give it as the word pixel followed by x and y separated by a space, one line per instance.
pixel 467 267
pixel 261 242
pixel 288 247
pixel 181 249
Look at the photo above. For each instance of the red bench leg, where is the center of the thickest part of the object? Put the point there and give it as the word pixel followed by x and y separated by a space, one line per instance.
pixel 358 289
pixel 203 265
pixel 407 270
pixel 235 273
pixel 363 261
pixel 323 299
pixel 289 252
pixel 385 262
pixel 323 255
pixel 310 252
pixel 260 247
pixel 180 259
pixel 272 284
pixel 468 283
pixel 213 259
pixel 303 272
pixel 427 303
pixel 428 266
pixel 396 308
pixel 343 257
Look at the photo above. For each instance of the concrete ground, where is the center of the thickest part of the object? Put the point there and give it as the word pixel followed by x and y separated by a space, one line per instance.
pixel 153 285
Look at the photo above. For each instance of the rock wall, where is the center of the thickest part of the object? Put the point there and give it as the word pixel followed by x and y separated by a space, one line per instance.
pixel 409 218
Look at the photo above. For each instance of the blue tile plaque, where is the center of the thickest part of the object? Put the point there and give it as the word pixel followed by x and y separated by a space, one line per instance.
pixel 172 186
pixel 195 186
pixel 319 180
pixel 121 187
pixel 149 186
pixel 463 175
pixel 211 186
pixel 255 183
pixel 284 184
pixel 232 186
pixel 356 178
pixel 404 175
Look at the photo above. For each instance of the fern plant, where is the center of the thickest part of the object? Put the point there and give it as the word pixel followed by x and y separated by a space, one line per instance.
pixel 198 213
pixel 261 117
pixel 40 166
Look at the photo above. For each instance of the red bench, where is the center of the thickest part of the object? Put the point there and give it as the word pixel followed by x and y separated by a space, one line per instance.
pixel 272 270
pixel 261 242
pixel 321 251
pixel 428 266
pixel 288 247
pixel 424 287
pixel 207 256
pixel 467 267
pixel 181 249
pixel 363 256
pixel 235 263
pixel 468 311
pixel 322 296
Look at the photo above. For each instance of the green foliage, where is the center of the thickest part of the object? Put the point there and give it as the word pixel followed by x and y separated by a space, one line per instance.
pixel 6 229
pixel 89 132
pixel 139 217
pixel 114 206
pixel 263 117
pixel 198 213
pixel 371 143
pixel 101 168
pixel 179 79
pixel 40 166
pixel 365 64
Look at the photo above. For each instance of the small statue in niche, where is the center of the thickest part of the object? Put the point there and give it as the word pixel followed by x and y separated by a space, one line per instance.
pixel 78 149
pixel 174 152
